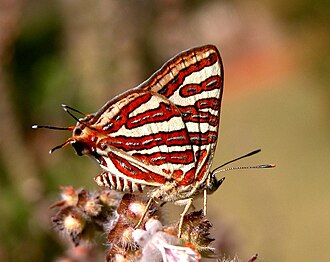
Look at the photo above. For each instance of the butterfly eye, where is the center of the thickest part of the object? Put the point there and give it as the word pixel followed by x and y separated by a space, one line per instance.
pixel 77 131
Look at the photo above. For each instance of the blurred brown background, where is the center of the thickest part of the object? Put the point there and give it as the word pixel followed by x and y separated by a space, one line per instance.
pixel 82 53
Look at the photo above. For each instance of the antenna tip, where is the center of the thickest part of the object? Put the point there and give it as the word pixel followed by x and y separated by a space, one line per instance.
pixel 50 151
pixel 256 151
pixel 64 106
pixel 268 166
pixel 34 126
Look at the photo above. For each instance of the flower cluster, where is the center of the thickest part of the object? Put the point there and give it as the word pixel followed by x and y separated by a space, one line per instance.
pixel 82 214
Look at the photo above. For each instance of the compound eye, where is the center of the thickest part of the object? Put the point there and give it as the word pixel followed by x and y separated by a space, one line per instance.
pixel 77 131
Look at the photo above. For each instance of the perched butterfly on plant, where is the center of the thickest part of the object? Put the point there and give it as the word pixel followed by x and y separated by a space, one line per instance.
pixel 159 138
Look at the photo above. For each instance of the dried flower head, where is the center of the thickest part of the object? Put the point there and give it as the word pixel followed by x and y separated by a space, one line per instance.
pixel 196 230
pixel 69 197
pixel 132 208
pixel 82 214
pixel 71 222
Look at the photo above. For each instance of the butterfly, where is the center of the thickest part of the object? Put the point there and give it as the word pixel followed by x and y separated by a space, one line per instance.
pixel 159 138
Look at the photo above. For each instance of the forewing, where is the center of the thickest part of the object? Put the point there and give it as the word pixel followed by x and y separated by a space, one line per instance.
pixel 193 81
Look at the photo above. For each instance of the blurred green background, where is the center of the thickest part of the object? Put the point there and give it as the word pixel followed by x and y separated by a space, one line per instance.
pixel 82 53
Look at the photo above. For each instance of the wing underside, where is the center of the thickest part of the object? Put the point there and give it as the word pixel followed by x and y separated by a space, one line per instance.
pixel 165 129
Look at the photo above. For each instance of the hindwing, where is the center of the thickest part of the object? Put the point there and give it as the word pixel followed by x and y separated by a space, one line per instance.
pixel 193 81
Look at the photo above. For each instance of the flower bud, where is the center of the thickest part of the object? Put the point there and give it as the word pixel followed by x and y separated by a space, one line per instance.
pixel 71 222
pixel 92 206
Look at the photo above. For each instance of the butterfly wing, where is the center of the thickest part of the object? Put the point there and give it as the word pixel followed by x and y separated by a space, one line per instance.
pixel 144 141
pixel 165 129
pixel 193 81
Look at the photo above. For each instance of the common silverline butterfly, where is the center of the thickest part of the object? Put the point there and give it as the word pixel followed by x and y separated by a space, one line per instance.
pixel 159 138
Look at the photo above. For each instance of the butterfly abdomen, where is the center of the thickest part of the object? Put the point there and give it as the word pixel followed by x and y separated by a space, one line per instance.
pixel 118 183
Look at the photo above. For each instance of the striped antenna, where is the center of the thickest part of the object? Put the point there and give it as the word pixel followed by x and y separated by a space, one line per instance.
pixel 219 170
pixel 244 167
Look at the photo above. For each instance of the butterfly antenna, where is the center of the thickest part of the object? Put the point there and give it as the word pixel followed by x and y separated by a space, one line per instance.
pixel 67 110
pixel 70 128
pixel 72 109
pixel 67 142
pixel 218 169
pixel 243 167
pixel 241 157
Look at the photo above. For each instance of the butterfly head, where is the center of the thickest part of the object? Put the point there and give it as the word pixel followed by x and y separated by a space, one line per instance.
pixel 79 140
pixel 213 183
pixel 84 137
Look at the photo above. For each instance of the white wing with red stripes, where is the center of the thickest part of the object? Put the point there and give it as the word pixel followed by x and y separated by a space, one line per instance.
pixel 166 129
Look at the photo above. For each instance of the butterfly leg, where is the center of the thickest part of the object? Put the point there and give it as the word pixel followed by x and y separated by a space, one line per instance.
pixel 186 208
pixel 205 202
pixel 144 213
